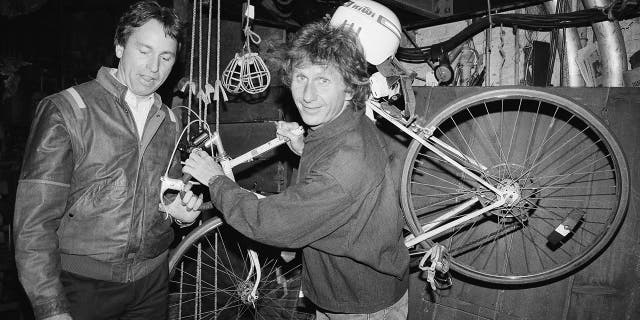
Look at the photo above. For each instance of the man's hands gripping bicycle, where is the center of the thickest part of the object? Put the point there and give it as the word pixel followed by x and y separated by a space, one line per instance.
pixel 293 133
pixel 202 167
pixel 184 208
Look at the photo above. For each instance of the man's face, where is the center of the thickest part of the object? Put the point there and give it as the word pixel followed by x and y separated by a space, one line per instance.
pixel 146 59
pixel 319 92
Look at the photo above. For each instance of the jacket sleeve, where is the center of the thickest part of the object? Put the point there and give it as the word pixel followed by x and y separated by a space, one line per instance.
pixel 297 217
pixel 41 198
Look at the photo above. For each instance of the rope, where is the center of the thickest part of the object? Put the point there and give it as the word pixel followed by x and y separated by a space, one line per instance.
pixel 249 35
pixel 189 84
pixel 207 88
pixel 200 64
pixel 218 83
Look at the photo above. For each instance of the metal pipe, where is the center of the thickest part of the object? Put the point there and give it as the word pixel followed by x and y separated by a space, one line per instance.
pixel 487 57
pixel 571 40
pixel 613 54
pixel 516 62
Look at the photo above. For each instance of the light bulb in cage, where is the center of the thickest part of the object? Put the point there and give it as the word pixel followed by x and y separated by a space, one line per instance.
pixel 255 74
pixel 232 75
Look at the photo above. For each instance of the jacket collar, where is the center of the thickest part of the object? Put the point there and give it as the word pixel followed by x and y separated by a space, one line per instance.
pixel 117 89
pixel 345 121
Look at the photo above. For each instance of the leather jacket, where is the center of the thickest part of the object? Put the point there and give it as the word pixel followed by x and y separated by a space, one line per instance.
pixel 88 194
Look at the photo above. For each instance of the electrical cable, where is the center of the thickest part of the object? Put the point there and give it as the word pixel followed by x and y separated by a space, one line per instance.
pixel 189 85
pixel 619 10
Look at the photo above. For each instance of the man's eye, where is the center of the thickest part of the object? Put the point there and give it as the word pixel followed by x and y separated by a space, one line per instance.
pixel 167 59
pixel 144 51
pixel 324 81
pixel 299 77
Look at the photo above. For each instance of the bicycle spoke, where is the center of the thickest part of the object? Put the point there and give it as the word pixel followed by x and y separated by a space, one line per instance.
pixel 200 297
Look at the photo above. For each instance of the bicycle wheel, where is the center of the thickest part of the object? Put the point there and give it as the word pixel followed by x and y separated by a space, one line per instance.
pixel 565 174
pixel 208 278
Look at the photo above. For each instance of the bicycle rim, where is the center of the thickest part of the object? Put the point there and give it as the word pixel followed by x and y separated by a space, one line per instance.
pixel 208 278
pixel 567 173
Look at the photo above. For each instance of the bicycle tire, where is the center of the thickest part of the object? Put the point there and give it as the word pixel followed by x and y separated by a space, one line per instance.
pixel 202 290
pixel 479 126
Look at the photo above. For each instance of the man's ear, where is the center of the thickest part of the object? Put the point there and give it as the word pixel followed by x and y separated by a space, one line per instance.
pixel 119 51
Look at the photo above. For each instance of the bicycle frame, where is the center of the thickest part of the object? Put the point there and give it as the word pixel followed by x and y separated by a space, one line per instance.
pixel 424 137
pixel 419 134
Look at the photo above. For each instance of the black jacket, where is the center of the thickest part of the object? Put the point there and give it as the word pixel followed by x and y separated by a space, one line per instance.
pixel 343 211
pixel 88 194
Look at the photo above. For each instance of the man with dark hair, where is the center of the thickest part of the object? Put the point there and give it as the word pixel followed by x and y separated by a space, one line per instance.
pixel 90 240
pixel 343 210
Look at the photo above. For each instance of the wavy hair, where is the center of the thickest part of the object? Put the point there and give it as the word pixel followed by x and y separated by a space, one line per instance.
pixel 140 13
pixel 320 43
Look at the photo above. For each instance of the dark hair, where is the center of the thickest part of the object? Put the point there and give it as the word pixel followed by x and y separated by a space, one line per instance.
pixel 140 13
pixel 323 44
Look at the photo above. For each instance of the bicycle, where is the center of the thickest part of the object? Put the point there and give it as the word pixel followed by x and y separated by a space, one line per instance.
pixel 513 185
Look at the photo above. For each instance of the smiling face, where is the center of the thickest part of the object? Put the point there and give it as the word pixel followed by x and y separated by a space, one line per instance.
pixel 146 59
pixel 319 92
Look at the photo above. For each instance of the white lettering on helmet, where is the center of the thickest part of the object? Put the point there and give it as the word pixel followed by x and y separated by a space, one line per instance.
pixel 389 25
pixel 364 9
pixel 382 20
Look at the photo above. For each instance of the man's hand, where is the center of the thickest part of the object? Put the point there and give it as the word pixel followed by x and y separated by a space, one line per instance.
pixel 202 167
pixel 291 132
pixel 185 209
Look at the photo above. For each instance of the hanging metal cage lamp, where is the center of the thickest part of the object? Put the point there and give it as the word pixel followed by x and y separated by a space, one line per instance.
pixel 232 75
pixel 255 74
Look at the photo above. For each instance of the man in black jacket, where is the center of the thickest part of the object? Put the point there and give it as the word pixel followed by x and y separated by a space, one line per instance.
pixel 90 240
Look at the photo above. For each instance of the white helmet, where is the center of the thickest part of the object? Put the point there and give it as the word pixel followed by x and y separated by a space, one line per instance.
pixel 377 27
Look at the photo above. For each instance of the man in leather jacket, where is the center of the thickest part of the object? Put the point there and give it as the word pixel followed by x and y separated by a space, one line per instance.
pixel 90 240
